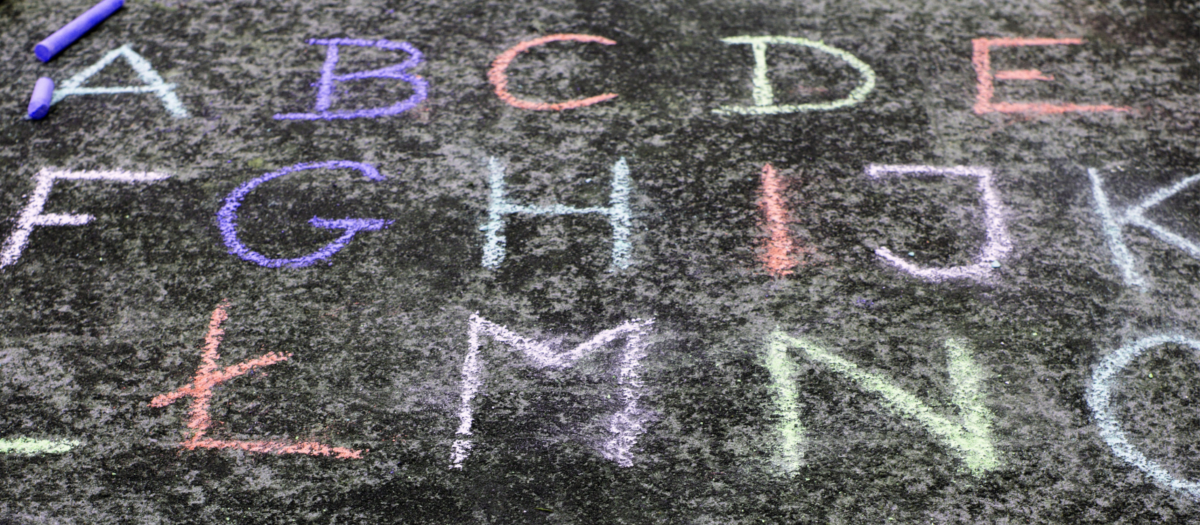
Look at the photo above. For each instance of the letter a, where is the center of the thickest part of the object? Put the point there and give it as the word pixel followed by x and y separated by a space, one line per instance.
pixel 154 83
pixel 764 95
pixel 397 72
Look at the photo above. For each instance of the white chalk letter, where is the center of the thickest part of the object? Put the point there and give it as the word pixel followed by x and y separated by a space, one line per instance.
pixel 619 216
pixel 764 95
pixel 624 426
pixel 154 83
pixel 1112 222
pixel 998 244
pixel 32 214
pixel 1099 398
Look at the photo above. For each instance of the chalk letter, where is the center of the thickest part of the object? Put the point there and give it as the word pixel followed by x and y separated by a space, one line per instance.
pixel 32 214
pixel 984 77
pixel 154 83
pixel 209 376
pixel 499 79
pixel 31 447
pixel 1099 398
pixel 398 72
pixel 624 426
pixel 969 437
pixel 764 96
pixel 617 212
pixel 997 246
pixel 1136 215
pixel 227 218
pixel 778 254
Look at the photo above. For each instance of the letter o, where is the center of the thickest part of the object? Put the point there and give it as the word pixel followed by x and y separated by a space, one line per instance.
pixel 1099 397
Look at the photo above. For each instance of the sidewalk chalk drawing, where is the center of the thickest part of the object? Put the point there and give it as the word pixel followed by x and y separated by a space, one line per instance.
pixel 210 375
pixel 499 78
pixel 227 218
pixel 32 447
pixel 326 86
pixel 764 94
pixel 1099 398
pixel 778 254
pixel 619 216
pixel 153 82
pixel 624 426
pixel 1112 221
pixel 985 90
pixel 31 215
pixel 997 246
pixel 969 436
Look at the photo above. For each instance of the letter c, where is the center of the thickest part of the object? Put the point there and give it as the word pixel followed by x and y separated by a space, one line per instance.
pixel 499 79
pixel 227 218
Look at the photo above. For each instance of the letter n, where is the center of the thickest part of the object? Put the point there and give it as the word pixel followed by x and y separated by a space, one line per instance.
pixel 153 82
pixel 969 436
pixel 624 426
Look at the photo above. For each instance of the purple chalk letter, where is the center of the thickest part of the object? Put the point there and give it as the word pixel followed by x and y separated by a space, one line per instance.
pixel 227 218
pixel 39 103
pixel 325 87
pixel 46 49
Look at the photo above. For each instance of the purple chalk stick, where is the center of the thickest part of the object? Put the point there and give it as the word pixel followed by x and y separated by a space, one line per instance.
pixel 39 103
pixel 46 49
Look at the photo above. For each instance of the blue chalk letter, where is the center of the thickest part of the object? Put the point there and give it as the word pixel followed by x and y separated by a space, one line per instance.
pixel 154 83
pixel 227 218
pixel 398 72
pixel 617 212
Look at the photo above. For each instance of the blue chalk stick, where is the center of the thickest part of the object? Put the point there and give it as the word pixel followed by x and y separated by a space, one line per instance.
pixel 46 49
pixel 39 103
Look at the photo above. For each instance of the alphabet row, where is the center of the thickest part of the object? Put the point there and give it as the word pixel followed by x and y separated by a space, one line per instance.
pixel 965 430
pixel 762 91
pixel 779 254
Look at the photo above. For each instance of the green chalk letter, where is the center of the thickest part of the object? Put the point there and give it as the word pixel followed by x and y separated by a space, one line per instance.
pixel 29 447
pixel 783 383
pixel 969 436
pixel 764 96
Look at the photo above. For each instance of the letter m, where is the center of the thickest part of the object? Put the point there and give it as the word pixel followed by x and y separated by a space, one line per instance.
pixel 623 427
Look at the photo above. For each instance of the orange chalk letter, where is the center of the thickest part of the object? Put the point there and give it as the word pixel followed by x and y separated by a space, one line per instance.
pixel 209 376
pixel 985 76
pixel 499 79
pixel 778 254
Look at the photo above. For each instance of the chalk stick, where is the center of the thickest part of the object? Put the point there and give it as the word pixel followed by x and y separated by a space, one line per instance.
pixel 39 103
pixel 46 49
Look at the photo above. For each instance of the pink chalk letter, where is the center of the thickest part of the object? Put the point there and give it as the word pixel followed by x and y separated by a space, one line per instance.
pixel 985 76
pixel 210 375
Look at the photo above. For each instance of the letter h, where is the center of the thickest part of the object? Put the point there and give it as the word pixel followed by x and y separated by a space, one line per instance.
pixel 619 216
